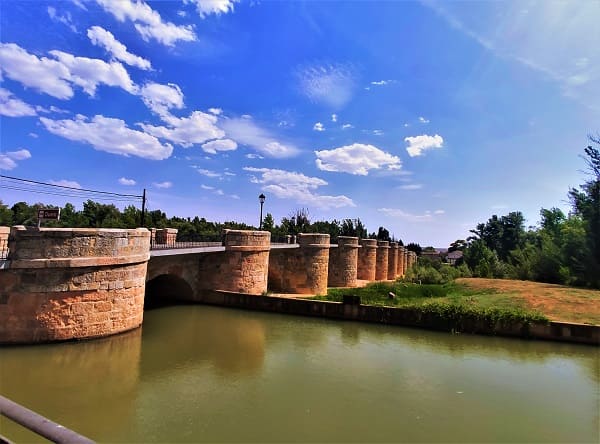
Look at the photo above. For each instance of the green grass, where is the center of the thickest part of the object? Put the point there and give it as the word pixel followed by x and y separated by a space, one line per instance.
pixel 451 301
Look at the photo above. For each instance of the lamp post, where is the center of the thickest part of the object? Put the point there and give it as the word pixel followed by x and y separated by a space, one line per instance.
pixel 261 199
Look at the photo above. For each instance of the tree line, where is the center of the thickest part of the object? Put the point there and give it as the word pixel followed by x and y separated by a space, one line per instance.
pixel 99 215
pixel 563 249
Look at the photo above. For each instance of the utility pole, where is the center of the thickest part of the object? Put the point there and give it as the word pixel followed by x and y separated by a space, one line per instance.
pixel 143 208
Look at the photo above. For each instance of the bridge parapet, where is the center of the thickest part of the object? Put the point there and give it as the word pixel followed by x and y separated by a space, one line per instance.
pixel 343 262
pixel 71 283
pixel 302 270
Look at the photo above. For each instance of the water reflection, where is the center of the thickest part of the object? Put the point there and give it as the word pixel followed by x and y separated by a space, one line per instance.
pixel 232 342
pixel 97 379
pixel 200 373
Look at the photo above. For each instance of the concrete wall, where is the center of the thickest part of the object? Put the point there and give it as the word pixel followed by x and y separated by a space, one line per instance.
pixel 556 331
pixel 72 283
pixel 381 267
pixel 302 270
pixel 343 262
pixel 367 259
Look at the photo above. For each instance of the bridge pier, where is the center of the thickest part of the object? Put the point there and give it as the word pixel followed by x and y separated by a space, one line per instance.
pixel 367 259
pixel 381 267
pixel 72 283
pixel 393 260
pixel 343 262
pixel 302 270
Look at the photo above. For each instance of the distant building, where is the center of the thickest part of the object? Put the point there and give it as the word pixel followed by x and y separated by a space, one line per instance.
pixel 454 256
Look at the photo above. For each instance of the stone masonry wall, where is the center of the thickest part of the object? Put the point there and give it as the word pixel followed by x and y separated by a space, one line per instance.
pixel 301 270
pixel 367 259
pixel 381 267
pixel 343 263
pixel 65 283
pixel 393 260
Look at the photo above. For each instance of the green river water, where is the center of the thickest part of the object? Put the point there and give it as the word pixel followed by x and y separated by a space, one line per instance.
pixel 208 374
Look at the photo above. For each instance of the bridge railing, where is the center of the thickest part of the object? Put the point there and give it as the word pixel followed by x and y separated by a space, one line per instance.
pixel 38 424
pixel 187 241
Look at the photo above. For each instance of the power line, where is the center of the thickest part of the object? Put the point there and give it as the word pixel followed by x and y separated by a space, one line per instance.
pixel 38 191
pixel 70 188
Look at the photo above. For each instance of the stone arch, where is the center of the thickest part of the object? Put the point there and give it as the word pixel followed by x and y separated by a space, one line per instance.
pixel 167 289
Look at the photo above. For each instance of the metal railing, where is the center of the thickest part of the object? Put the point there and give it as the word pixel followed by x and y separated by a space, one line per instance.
pixel 186 241
pixel 38 424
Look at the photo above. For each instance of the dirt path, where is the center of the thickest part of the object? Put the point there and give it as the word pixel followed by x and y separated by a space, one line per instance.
pixel 558 302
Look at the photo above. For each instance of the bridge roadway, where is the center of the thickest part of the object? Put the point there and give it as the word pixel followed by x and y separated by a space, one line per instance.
pixel 195 250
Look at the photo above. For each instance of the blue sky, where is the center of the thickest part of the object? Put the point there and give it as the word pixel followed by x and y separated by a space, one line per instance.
pixel 423 117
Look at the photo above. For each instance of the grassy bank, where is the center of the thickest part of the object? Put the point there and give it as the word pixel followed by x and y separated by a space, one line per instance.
pixel 452 301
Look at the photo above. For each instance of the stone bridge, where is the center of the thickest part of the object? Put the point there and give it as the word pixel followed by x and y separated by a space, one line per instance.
pixel 78 283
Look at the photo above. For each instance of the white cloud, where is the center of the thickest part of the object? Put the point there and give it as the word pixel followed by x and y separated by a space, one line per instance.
pixel 65 19
pixel 423 119
pixel 219 145
pixel 377 132
pixel 334 117
pixel 166 184
pixel 246 132
pixel 318 127
pixel 208 173
pixel 215 111
pixel 356 159
pixel 439 212
pixel 381 82
pixel 347 126
pixel 65 183
pixel 34 135
pixel 148 22
pixel 406 125
pixel 418 144
pixel 297 187
pixel 207 7
pixel 401 214
pixel 89 73
pixel 110 135
pixel 7 160
pixel 103 38
pixel 21 154
pixel 254 156
pixel 235 196
pixel 43 74
pixel 412 186
pixel 161 98
pixel 206 187
pixel 198 128
pixel 330 84
pixel 127 182
pixel 10 106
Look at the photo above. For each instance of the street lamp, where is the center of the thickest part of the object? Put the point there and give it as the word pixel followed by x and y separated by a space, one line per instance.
pixel 261 199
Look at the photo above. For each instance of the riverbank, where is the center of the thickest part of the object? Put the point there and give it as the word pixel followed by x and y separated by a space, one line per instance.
pixel 352 310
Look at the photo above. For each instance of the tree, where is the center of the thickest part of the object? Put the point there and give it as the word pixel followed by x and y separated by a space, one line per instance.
pixel 268 222
pixel 5 215
pixel 353 227
pixel 383 234
pixel 414 247
pixel 457 245
pixel 586 203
